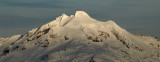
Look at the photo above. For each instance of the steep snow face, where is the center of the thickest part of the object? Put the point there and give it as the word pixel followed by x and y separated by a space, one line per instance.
pixel 79 38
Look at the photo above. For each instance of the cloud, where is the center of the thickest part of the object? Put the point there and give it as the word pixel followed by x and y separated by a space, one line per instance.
pixel 33 4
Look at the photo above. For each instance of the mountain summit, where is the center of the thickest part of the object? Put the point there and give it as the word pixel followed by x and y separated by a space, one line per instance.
pixel 79 38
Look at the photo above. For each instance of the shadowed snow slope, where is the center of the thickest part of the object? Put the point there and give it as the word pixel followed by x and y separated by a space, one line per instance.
pixel 79 38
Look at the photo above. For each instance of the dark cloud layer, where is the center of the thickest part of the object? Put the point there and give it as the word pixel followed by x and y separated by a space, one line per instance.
pixel 137 16
pixel 31 4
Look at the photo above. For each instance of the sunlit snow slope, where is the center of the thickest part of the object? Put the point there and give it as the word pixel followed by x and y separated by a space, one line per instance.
pixel 79 38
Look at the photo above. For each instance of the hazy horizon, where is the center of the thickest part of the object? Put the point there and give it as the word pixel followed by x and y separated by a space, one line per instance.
pixel 137 16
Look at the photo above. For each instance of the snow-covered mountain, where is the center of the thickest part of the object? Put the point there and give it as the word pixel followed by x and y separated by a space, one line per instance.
pixel 79 38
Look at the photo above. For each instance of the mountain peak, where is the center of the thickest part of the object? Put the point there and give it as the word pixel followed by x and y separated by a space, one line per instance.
pixel 81 13
pixel 79 38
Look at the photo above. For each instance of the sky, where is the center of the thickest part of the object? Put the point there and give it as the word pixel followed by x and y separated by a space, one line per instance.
pixel 136 16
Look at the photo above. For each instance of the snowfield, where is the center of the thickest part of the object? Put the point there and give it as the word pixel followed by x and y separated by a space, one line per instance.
pixel 79 38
